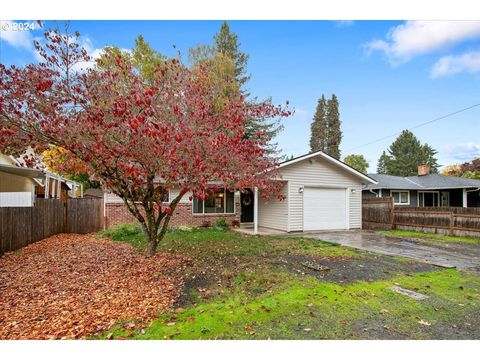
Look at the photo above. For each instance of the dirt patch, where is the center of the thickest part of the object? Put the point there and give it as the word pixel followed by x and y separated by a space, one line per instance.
pixel 73 286
pixel 347 270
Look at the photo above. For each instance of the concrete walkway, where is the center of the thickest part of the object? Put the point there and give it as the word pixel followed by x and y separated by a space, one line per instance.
pixel 459 255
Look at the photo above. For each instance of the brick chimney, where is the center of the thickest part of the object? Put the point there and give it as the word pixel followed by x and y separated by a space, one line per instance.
pixel 423 170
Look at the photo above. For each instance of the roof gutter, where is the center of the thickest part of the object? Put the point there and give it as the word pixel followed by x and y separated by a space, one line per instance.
pixel 477 189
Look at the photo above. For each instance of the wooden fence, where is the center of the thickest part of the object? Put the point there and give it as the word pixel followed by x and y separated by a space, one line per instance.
pixel 377 214
pixel 20 226
pixel 382 214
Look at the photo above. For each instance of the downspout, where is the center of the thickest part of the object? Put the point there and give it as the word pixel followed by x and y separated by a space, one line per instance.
pixel 374 193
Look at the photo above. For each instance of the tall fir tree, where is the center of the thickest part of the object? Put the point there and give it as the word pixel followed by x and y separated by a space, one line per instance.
pixel 318 128
pixel 406 153
pixel 227 43
pixel 382 163
pixel 334 133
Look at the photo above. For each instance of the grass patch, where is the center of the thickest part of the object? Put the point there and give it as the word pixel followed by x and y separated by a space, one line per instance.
pixel 217 242
pixel 239 287
pixel 432 237
pixel 132 234
pixel 291 307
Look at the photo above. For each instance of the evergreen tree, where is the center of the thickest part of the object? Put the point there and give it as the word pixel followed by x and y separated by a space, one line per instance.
pixel 406 153
pixel 334 133
pixel 318 128
pixel 382 163
pixel 227 43
pixel 358 162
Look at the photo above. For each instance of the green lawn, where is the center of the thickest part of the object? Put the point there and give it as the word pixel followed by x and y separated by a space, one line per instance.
pixel 254 287
pixel 216 242
pixel 432 237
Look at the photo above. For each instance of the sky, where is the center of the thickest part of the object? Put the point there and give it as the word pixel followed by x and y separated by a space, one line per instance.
pixel 387 75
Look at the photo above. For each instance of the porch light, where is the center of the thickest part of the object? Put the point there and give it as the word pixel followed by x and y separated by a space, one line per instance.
pixel 353 191
pixel 300 190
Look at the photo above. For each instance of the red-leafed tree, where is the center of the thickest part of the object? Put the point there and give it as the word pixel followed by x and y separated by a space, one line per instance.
pixel 138 135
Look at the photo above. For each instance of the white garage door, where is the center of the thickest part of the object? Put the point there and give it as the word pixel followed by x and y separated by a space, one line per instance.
pixel 324 209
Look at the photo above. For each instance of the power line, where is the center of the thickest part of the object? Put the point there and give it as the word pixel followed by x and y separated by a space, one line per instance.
pixel 416 126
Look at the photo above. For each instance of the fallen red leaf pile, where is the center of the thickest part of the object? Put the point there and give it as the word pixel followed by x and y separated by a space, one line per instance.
pixel 73 286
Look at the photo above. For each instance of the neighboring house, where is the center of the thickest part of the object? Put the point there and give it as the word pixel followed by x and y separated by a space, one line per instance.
pixel 426 190
pixel 321 193
pixel 93 194
pixel 17 184
pixel 20 186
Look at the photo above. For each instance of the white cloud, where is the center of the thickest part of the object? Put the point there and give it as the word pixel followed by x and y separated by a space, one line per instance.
pixel 15 38
pixel 94 53
pixel 344 23
pixel 413 38
pixel 450 65
pixel 463 152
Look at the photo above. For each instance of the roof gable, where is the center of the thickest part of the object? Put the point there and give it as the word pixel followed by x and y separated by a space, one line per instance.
pixel 337 163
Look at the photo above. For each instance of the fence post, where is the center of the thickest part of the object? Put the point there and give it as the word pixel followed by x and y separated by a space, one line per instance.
pixel 391 207
pixel 452 223
pixel 65 214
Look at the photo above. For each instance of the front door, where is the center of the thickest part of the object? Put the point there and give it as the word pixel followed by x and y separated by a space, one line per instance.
pixel 246 201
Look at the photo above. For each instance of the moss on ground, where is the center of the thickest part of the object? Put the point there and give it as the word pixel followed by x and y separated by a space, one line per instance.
pixel 290 307
pixel 432 237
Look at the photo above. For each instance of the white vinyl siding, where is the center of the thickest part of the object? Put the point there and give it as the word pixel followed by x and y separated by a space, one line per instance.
pixel 15 183
pixel 355 207
pixel 16 199
pixel 274 213
pixel 174 192
pixel 111 198
pixel 317 172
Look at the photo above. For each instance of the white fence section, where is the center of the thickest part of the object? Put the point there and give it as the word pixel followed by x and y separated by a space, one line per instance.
pixel 16 199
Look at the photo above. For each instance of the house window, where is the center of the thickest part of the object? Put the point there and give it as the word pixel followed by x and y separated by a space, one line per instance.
pixel 221 202
pixel 428 198
pixel 400 197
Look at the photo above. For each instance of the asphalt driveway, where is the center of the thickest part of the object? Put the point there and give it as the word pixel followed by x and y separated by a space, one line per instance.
pixel 461 256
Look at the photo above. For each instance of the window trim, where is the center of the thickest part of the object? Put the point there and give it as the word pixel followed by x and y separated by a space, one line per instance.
pixel 224 207
pixel 400 197
pixel 423 198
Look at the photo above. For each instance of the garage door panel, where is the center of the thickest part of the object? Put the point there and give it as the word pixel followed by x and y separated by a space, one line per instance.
pixel 324 209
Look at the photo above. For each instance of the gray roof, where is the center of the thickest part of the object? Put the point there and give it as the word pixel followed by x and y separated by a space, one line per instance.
pixel 94 192
pixel 426 182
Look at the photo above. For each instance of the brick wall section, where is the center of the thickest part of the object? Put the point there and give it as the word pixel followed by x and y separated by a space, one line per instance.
pixel 117 213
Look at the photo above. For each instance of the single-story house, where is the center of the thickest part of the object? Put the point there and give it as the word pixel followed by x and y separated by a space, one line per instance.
pixel 425 190
pixel 321 193
pixel 93 194
pixel 20 186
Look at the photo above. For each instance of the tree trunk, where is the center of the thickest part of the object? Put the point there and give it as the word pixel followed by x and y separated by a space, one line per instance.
pixel 152 242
